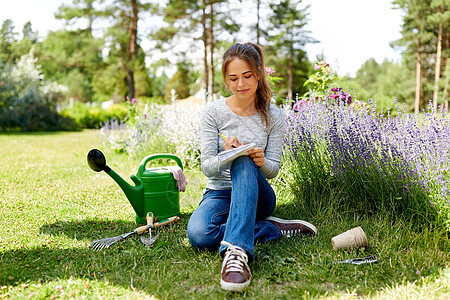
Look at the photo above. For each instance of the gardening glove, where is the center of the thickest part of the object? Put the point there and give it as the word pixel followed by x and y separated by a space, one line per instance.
pixel 179 177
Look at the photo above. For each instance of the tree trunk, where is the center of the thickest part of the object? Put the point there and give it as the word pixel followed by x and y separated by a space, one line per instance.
pixel 437 72
pixel 130 80
pixel 258 3
pixel 131 49
pixel 205 47
pixel 291 73
pixel 211 50
pixel 445 93
pixel 418 78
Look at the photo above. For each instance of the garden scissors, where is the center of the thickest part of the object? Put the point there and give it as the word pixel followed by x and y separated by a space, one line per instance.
pixel 358 261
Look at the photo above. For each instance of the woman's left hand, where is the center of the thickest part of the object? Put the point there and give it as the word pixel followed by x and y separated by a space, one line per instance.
pixel 257 154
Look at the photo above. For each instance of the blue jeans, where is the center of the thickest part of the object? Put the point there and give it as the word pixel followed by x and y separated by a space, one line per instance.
pixel 236 215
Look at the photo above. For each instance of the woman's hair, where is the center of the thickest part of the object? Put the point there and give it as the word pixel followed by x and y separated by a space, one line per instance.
pixel 254 56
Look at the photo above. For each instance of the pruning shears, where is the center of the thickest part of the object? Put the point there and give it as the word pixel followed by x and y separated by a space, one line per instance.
pixel 359 261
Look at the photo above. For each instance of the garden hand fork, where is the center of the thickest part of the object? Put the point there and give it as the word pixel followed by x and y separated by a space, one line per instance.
pixel 150 240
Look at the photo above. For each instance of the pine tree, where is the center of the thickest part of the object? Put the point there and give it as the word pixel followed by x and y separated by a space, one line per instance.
pixel 287 35
pixel 123 34
pixel 7 38
pixel 415 39
pixel 440 18
pixel 190 21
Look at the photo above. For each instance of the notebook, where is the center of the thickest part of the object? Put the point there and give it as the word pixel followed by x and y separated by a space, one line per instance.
pixel 228 156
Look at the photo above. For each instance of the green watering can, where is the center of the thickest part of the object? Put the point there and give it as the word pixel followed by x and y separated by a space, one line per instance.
pixel 155 188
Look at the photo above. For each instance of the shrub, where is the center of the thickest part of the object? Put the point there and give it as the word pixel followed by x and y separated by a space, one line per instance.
pixel 158 129
pixel 117 111
pixel 94 116
pixel 27 101
pixel 367 162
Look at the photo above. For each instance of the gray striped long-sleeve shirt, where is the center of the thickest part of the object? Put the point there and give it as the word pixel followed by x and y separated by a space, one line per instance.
pixel 217 118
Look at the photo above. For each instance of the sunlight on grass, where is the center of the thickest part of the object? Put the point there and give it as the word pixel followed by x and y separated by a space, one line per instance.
pixel 54 205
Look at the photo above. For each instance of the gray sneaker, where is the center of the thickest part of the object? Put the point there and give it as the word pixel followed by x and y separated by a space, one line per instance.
pixel 292 227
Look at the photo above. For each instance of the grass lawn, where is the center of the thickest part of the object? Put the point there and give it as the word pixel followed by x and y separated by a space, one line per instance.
pixel 53 205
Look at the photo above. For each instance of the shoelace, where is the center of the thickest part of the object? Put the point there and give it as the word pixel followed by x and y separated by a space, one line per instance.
pixel 235 259
pixel 290 232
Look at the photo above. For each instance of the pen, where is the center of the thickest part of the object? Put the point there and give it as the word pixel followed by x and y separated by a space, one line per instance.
pixel 226 139
pixel 223 136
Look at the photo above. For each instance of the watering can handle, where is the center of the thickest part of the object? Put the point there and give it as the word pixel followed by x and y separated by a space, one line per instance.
pixel 146 159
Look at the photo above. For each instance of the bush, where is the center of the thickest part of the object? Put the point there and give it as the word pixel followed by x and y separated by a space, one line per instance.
pixel 117 111
pixel 92 116
pixel 27 102
pixel 158 129
pixel 365 162
pixel 35 116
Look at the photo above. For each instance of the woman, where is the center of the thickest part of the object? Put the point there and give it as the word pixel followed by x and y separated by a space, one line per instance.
pixel 238 201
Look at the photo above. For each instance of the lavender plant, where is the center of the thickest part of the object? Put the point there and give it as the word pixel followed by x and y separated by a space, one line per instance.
pixel 369 162
pixel 157 129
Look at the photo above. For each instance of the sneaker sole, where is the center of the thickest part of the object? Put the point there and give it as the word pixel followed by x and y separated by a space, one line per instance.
pixel 292 222
pixel 234 287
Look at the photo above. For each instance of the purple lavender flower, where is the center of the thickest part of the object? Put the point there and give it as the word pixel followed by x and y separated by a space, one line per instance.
pixel 376 158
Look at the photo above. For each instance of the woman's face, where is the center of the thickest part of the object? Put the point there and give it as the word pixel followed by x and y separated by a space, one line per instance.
pixel 241 80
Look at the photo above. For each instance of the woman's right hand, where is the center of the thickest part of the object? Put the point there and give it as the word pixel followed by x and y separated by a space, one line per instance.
pixel 232 142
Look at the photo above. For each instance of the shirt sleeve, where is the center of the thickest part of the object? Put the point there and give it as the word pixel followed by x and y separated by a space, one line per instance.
pixel 209 143
pixel 274 146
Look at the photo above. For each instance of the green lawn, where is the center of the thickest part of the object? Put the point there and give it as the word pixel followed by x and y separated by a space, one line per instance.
pixel 53 205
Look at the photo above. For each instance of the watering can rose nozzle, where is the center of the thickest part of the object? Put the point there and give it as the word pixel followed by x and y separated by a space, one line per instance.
pixel 97 161
pixel 135 194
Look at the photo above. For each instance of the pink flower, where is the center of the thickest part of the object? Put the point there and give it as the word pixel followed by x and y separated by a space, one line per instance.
pixel 269 70
pixel 133 101
pixel 299 104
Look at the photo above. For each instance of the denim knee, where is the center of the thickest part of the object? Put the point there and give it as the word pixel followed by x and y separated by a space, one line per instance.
pixel 199 237
pixel 244 166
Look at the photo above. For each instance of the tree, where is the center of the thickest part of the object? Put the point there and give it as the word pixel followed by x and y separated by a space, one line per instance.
pixel 185 20
pixel 383 83
pixel 72 58
pixel 367 76
pixel 123 36
pixel 79 10
pixel 440 18
pixel 28 33
pixel 419 45
pixel 7 38
pixel 180 82
pixel 190 21
pixel 287 35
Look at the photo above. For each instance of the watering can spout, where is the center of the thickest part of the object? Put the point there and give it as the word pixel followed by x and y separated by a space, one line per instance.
pixel 135 194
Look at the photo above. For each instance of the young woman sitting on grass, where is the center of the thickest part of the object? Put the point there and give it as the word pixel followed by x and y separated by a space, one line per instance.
pixel 236 208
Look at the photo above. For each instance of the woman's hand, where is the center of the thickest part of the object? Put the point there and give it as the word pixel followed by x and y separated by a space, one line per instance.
pixel 257 154
pixel 231 143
